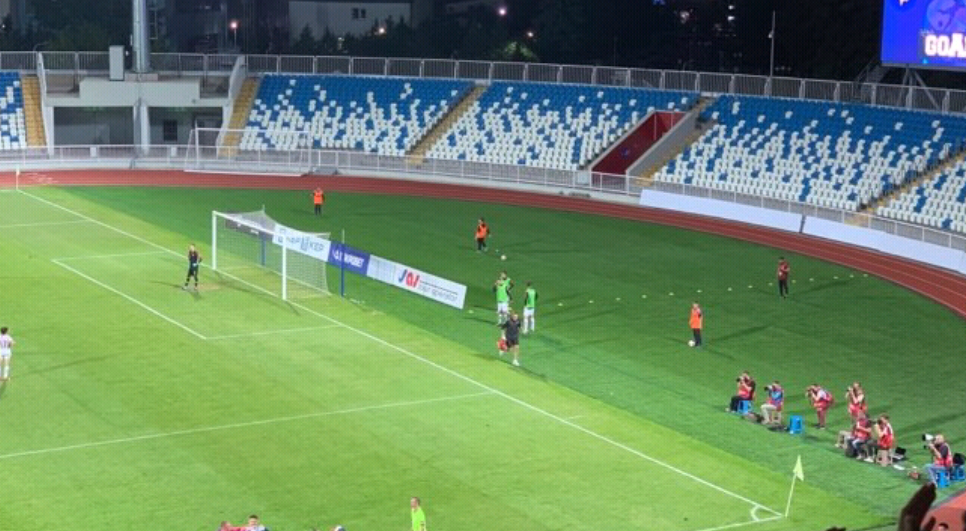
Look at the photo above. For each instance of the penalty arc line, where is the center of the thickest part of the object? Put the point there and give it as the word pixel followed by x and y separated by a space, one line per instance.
pixel 132 299
pixel 238 425
pixel 447 370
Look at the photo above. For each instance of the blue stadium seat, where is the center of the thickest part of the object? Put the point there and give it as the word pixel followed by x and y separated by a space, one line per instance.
pixel 13 128
pixel 548 125
pixel 827 154
pixel 373 114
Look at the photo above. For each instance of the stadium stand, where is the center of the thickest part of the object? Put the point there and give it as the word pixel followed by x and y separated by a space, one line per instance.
pixel 372 114
pixel 13 128
pixel 821 153
pixel 548 125
pixel 939 202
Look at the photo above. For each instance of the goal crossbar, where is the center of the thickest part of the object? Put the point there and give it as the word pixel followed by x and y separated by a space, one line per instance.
pixel 286 261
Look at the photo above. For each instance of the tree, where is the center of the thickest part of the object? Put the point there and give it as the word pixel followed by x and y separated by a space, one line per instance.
pixel 83 37
pixel 305 44
pixel 563 30
pixel 91 21
pixel 484 36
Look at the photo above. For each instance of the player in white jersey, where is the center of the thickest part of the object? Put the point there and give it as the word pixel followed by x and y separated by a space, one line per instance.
pixel 6 350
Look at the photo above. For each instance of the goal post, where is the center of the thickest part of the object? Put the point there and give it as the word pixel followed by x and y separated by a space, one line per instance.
pixel 275 150
pixel 250 247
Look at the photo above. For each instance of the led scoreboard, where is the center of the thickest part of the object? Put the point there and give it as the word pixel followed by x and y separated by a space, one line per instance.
pixel 924 33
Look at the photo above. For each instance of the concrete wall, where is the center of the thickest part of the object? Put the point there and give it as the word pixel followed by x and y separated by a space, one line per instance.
pixel 670 143
pixel 101 92
pixel 186 120
pixel 636 143
pixel 105 125
pixel 338 16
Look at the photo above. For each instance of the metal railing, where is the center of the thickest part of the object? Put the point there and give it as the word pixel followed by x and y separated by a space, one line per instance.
pixel 212 158
pixel 711 83
pixel 857 219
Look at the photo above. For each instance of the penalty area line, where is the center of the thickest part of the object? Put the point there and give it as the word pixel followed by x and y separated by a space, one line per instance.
pixel 273 332
pixel 43 224
pixel 239 425
pixel 99 256
pixel 456 374
pixel 173 321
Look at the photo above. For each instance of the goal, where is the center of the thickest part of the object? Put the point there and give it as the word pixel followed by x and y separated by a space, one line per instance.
pixel 251 248
pixel 275 150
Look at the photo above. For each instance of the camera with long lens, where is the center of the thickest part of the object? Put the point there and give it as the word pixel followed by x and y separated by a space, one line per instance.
pixel 927 440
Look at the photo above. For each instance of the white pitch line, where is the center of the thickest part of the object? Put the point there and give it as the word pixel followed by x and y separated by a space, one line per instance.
pixel 132 299
pixel 43 224
pixel 99 256
pixel 449 371
pixel 237 425
pixel 272 332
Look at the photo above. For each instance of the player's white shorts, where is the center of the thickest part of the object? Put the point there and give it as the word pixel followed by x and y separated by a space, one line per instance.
pixel 528 312
pixel 5 354
pixel 502 307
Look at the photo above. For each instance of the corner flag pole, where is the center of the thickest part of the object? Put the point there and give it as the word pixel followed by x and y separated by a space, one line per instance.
pixel 17 184
pixel 797 474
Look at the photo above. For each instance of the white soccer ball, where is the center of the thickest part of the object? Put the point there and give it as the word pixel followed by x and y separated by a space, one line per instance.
pixel 690 342
pixel 503 257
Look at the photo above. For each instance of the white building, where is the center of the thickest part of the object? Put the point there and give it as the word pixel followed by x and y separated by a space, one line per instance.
pixel 457 7
pixel 353 17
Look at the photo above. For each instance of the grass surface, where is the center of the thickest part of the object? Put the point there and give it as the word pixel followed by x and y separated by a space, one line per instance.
pixel 140 405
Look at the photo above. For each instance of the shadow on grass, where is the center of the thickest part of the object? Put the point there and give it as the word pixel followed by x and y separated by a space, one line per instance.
pixel 241 287
pixel 742 333
pixel 74 363
pixel 3 387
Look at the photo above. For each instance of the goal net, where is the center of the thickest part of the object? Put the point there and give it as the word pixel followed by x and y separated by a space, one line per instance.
pixel 250 247
pixel 258 150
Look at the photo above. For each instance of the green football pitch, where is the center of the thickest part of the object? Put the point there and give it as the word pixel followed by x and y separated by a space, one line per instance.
pixel 133 404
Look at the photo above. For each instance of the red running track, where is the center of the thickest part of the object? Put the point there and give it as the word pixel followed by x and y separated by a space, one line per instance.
pixel 945 287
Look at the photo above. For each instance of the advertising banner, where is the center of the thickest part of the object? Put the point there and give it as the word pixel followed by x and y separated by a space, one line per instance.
pixel 302 242
pixel 356 261
pixel 419 282
pixel 362 263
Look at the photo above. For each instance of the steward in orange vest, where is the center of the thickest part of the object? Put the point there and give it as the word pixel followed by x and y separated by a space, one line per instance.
pixel 318 199
pixel 482 232
pixel 696 322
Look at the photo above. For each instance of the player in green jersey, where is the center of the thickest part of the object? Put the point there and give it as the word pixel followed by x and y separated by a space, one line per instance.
pixel 419 517
pixel 529 309
pixel 502 289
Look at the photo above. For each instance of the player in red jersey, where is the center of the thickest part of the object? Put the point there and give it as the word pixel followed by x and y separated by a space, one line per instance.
pixel 784 269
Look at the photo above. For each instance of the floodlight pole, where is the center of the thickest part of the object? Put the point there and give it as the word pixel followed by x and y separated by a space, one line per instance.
pixel 771 63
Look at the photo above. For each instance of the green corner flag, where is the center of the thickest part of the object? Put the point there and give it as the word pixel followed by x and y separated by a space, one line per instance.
pixel 799 473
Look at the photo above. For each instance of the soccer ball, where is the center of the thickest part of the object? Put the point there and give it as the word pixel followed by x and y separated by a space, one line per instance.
pixel 503 257
pixel 690 342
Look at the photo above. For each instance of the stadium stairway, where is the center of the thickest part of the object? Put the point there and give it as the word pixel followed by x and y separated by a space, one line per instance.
pixel 888 198
pixel 646 177
pixel 33 111
pixel 418 153
pixel 241 109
